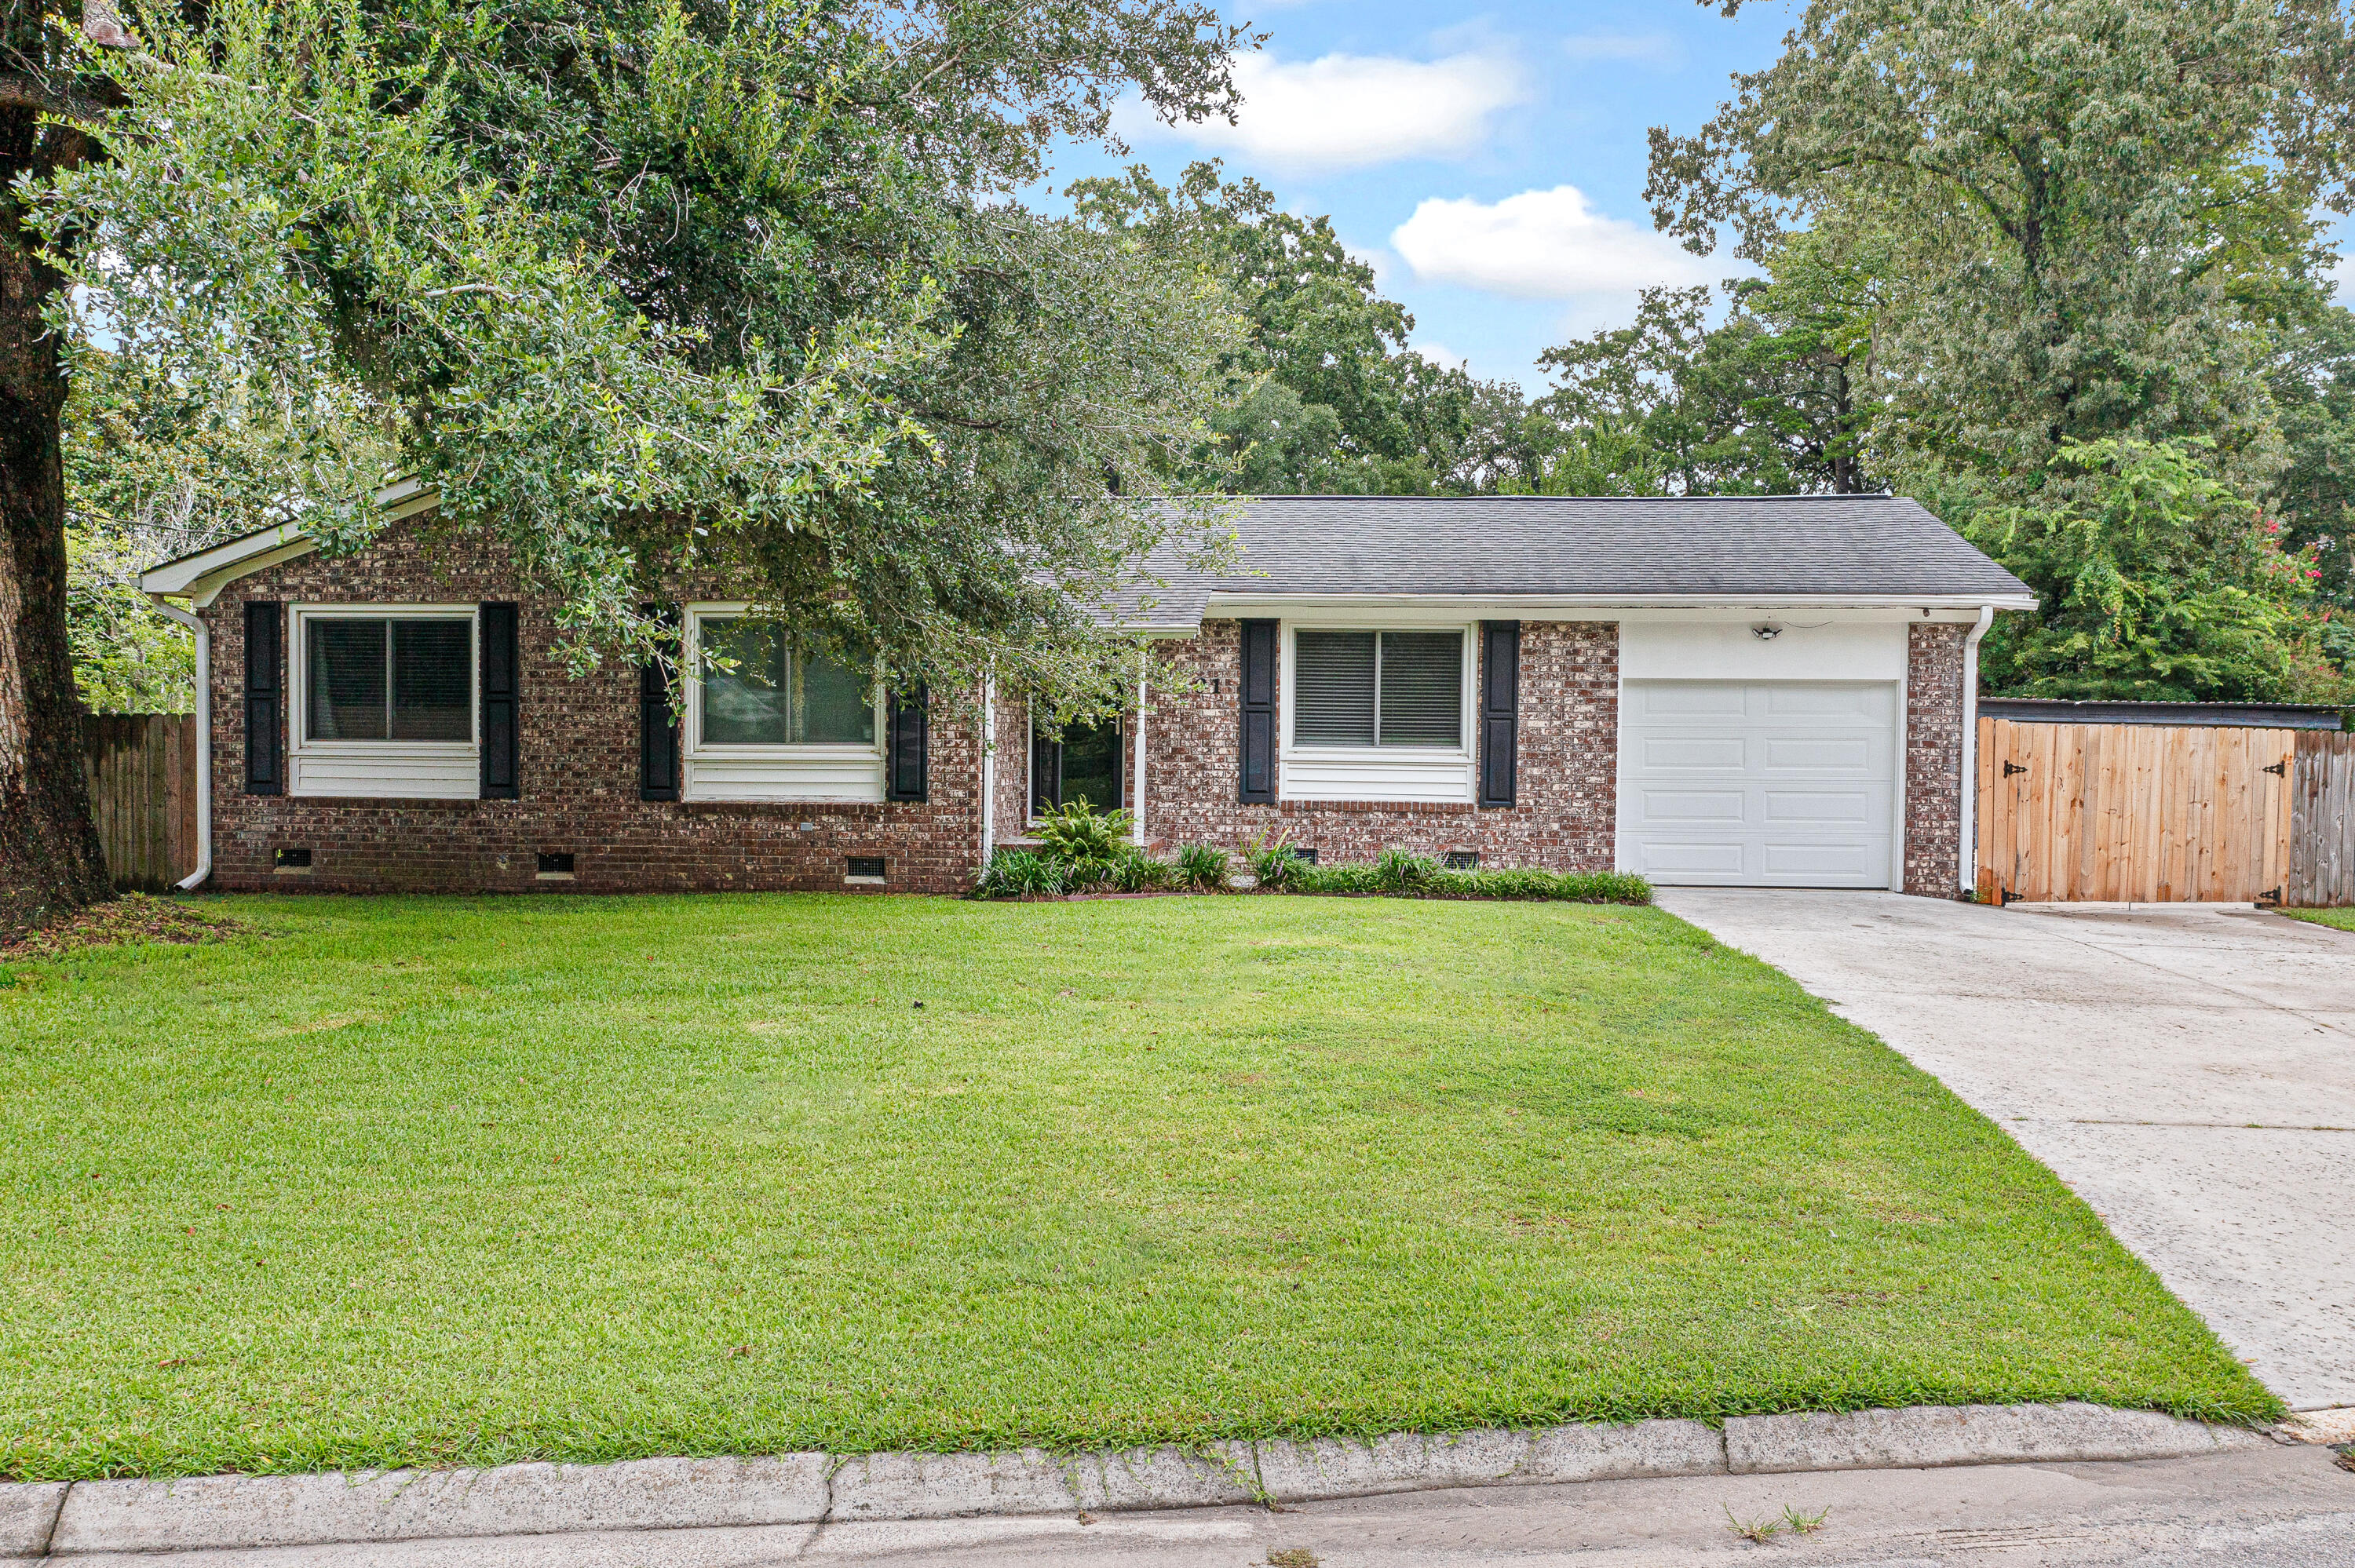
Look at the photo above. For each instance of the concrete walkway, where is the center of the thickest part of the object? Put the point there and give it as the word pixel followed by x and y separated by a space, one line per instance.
pixel 2190 1070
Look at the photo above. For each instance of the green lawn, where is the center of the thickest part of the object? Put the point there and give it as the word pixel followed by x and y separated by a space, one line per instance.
pixel 439 1180
pixel 2342 919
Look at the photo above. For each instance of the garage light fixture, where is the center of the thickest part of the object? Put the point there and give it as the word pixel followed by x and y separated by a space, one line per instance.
pixel 1765 631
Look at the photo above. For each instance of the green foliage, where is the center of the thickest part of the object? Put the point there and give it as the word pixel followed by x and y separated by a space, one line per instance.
pixel 651 288
pixel 1020 873
pixel 1135 871
pixel 1080 850
pixel 1273 861
pixel 157 469
pixel 2313 384
pixel 2087 205
pixel 1399 875
pixel 1775 398
pixel 2158 582
pixel 1082 836
pixel 1203 868
pixel 1323 396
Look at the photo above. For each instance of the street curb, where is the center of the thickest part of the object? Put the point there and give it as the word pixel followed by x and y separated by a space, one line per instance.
pixel 61 1520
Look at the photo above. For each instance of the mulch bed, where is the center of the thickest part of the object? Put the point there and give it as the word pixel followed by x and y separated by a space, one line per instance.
pixel 127 918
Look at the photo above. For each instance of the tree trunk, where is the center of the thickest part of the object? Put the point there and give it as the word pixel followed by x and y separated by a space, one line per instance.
pixel 51 861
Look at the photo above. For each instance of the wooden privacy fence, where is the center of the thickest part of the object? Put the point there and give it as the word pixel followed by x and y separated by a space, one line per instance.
pixel 142 789
pixel 2322 821
pixel 2164 813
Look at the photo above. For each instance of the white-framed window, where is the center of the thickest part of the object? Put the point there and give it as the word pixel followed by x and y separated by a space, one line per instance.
pixel 767 722
pixel 1377 713
pixel 384 702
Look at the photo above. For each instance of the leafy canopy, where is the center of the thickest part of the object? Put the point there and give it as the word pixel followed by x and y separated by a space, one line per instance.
pixel 662 292
pixel 2087 201
pixel 2157 583
pixel 1323 396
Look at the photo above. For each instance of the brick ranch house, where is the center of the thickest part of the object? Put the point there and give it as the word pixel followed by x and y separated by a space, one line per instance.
pixel 1771 690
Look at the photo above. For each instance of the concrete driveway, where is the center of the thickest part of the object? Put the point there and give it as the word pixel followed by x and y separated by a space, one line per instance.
pixel 2190 1070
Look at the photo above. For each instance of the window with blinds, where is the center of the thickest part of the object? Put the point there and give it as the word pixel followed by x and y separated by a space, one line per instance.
pixel 1378 688
pixel 404 679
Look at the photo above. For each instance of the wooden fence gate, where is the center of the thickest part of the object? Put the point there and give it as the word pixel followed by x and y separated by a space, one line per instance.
pixel 143 790
pixel 2136 813
pixel 2322 821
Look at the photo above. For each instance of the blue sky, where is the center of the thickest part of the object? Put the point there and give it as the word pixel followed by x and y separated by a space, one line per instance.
pixel 1491 162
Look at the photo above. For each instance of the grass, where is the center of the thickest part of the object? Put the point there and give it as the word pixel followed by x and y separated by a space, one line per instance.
pixel 2339 919
pixel 439 1180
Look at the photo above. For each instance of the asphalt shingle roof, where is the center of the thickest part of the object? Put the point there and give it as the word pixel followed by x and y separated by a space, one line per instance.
pixel 1870 547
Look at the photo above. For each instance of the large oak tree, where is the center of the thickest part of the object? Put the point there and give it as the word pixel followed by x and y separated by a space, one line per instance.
pixel 645 287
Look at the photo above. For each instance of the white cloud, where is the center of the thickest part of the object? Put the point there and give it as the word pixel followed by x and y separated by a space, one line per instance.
pixel 1344 112
pixel 1439 354
pixel 1538 245
pixel 1656 49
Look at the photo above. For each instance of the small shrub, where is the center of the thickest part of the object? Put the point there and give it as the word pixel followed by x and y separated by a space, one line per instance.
pixel 1273 864
pixel 1342 878
pixel 1020 873
pixel 1202 868
pixel 1082 836
pixel 1133 871
pixel 1399 872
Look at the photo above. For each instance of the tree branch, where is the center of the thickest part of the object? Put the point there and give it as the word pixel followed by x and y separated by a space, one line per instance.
pixel 85 102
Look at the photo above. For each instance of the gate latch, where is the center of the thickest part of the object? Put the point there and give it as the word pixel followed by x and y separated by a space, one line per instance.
pixel 2280 768
pixel 2011 767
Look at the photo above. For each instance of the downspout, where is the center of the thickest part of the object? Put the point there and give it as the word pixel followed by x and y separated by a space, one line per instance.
pixel 1968 864
pixel 195 879
pixel 988 769
pixel 1137 832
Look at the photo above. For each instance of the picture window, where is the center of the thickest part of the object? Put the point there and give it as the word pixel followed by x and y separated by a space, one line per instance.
pixel 757 691
pixel 1378 688
pixel 392 678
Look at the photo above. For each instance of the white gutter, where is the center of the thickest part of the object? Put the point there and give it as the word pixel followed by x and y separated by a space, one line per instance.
pixel 195 879
pixel 1224 603
pixel 1969 864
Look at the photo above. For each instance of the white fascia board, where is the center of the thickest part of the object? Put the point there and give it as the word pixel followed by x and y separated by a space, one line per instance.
pixel 202 576
pixel 1479 606
pixel 179 577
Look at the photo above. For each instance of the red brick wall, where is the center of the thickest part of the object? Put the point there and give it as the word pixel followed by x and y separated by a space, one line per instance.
pixel 1010 811
pixel 578 760
pixel 1565 814
pixel 1934 759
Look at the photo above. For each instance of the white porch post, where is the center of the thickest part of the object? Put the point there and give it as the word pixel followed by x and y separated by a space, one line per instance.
pixel 1138 831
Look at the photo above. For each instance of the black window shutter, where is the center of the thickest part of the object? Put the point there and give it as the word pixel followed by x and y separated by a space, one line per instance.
pixel 1258 774
pixel 1500 709
pixel 905 761
pixel 265 628
pixel 658 767
pixel 502 689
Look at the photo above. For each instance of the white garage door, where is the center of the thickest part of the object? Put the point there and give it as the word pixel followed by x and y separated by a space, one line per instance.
pixel 1771 783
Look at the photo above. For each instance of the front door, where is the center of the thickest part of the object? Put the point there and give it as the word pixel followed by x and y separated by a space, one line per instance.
pixel 1082 766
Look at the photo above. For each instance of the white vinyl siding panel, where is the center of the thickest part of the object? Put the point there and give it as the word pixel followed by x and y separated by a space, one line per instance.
pixel 1769 783
pixel 742 774
pixel 1374 773
pixel 389 769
